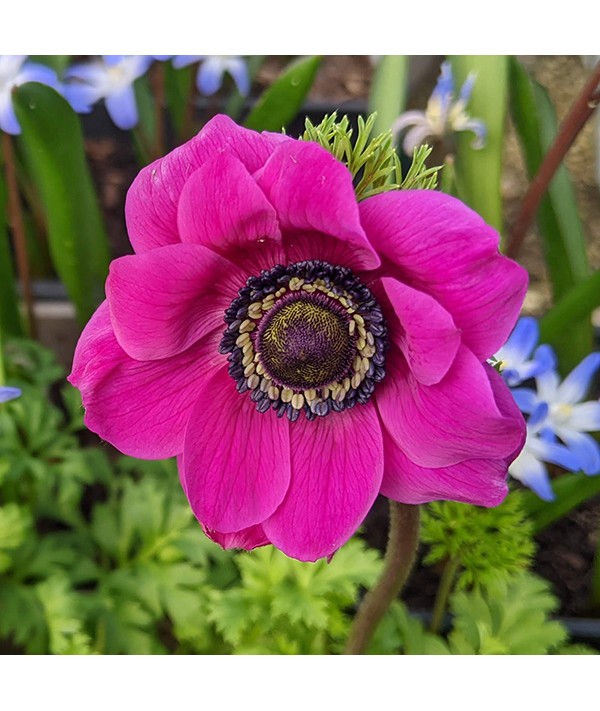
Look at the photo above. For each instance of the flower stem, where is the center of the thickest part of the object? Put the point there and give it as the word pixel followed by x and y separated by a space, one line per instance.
pixel 443 593
pixel 575 120
pixel 403 539
pixel 15 214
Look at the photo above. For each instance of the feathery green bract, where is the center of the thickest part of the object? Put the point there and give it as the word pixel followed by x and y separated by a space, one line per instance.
pixel 486 542
pixel 373 162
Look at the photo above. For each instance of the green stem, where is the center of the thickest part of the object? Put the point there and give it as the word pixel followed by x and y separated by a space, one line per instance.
pixel 403 539
pixel 443 593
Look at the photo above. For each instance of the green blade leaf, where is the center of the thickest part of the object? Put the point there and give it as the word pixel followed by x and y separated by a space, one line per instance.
pixel 53 145
pixel 279 104
pixel 571 490
pixel 478 172
pixel 388 91
pixel 574 307
pixel 563 240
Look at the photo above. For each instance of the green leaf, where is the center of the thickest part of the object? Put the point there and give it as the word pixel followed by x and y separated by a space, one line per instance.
pixel 510 617
pixel 576 306
pixel 53 145
pixel 400 632
pixel 571 490
pixel 479 172
pixel 15 522
pixel 22 619
pixel 563 239
pixel 388 90
pixel 280 103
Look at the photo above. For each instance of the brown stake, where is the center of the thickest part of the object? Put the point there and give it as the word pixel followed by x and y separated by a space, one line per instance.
pixel 15 216
pixel 580 112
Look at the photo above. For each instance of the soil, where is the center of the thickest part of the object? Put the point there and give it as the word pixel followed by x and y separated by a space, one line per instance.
pixel 566 549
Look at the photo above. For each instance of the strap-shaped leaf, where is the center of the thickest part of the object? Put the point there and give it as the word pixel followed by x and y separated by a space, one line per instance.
pixel 52 142
pixel 279 104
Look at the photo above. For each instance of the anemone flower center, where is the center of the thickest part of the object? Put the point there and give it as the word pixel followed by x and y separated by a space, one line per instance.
pixel 307 337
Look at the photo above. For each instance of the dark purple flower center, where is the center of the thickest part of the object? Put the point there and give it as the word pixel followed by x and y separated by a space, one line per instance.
pixel 304 342
pixel 305 337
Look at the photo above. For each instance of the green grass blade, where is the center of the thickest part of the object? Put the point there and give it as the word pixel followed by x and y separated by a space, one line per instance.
pixel 388 91
pixel 10 321
pixel 563 239
pixel 574 307
pixel 279 104
pixel 479 172
pixel 52 143
pixel 571 491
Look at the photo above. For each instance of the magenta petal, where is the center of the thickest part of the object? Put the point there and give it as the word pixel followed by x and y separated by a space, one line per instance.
pixel 312 192
pixel 436 244
pixel 423 330
pixel 446 423
pixel 163 301
pixel 140 407
pixel 337 465
pixel 151 206
pixel 475 481
pixel 222 207
pixel 236 460
pixel 246 539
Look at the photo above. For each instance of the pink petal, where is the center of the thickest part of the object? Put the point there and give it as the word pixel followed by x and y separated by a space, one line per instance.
pixel 423 330
pixel 481 482
pixel 507 406
pixel 446 423
pixel 247 538
pixel 337 465
pixel 163 301
pixel 222 207
pixel 151 205
pixel 140 407
pixel 312 192
pixel 236 460
pixel 436 244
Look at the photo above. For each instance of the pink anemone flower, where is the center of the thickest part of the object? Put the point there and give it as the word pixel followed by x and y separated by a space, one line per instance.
pixel 298 351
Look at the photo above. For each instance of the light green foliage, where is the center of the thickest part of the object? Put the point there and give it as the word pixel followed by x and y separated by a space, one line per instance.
pixel 101 553
pixel 374 163
pixel 15 522
pixel 282 606
pixel 509 617
pixel 487 543
pixel 402 633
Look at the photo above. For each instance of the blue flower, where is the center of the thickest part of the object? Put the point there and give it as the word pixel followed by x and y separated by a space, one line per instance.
pixel 7 393
pixel 515 356
pixel 444 114
pixel 14 71
pixel 212 69
pixel 111 78
pixel 568 418
pixel 529 467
